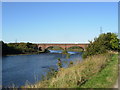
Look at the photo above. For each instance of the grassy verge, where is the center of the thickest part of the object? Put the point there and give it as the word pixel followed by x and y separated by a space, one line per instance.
pixel 107 77
pixel 99 71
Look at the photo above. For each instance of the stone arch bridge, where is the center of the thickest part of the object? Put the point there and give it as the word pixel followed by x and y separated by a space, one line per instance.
pixel 42 47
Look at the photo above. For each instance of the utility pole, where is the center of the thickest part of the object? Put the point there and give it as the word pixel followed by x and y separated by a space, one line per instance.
pixel 16 41
pixel 100 30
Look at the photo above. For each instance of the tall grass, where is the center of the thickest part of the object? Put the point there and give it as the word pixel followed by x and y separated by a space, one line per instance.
pixel 107 77
pixel 82 73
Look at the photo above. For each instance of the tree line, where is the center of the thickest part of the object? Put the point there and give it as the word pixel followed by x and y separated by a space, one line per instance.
pixel 18 48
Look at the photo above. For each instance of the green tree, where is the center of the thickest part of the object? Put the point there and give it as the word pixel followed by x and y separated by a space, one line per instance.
pixel 103 43
pixel 114 42
pixel 18 48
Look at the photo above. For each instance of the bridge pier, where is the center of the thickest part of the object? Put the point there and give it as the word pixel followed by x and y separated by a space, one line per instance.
pixel 42 49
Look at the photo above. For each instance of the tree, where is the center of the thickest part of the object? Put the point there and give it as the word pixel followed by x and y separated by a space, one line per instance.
pixel 103 43
pixel 114 42
pixel 18 48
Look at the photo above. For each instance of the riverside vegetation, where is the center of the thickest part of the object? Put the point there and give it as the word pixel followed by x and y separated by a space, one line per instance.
pixel 18 48
pixel 98 69
pixel 30 48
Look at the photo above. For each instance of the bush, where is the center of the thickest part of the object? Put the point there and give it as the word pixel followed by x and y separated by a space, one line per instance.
pixel 59 63
pixel 65 52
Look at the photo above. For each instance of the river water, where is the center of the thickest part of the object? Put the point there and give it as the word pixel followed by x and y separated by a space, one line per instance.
pixel 21 69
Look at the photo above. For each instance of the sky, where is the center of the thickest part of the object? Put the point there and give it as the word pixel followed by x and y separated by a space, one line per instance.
pixel 57 22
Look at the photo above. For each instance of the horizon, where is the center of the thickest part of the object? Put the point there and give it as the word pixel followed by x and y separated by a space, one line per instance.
pixel 53 22
pixel 49 42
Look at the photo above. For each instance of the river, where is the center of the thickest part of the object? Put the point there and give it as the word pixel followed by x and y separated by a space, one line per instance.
pixel 21 69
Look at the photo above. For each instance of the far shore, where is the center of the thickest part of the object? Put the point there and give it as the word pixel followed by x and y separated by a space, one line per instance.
pixel 23 54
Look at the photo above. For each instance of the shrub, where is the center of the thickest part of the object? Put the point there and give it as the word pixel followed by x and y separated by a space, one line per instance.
pixel 64 52
pixel 59 63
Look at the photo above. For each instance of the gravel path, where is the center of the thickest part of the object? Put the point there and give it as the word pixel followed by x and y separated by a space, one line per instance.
pixel 116 84
pixel 118 80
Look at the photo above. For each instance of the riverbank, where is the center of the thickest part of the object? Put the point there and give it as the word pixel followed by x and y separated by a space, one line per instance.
pixel 99 71
pixel 21 54
pixel 26 53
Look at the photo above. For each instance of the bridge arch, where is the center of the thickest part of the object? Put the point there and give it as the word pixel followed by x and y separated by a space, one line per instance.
pixel 75 47
pixel 54 47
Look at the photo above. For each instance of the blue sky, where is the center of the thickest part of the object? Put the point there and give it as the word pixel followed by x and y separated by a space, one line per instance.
pixel 69 22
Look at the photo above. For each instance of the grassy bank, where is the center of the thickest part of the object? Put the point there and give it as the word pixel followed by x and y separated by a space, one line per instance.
pixel 107 77
pixel 99 71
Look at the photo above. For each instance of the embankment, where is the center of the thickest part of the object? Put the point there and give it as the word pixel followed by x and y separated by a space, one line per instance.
pixel 99 71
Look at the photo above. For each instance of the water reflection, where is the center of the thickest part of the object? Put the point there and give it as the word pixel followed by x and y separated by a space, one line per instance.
pixel 60 51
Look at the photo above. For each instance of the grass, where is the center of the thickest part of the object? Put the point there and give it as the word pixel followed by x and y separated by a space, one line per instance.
pixel 99 71
pixel 107 77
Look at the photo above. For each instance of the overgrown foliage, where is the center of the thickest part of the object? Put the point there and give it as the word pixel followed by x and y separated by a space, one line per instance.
pixel 102 44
